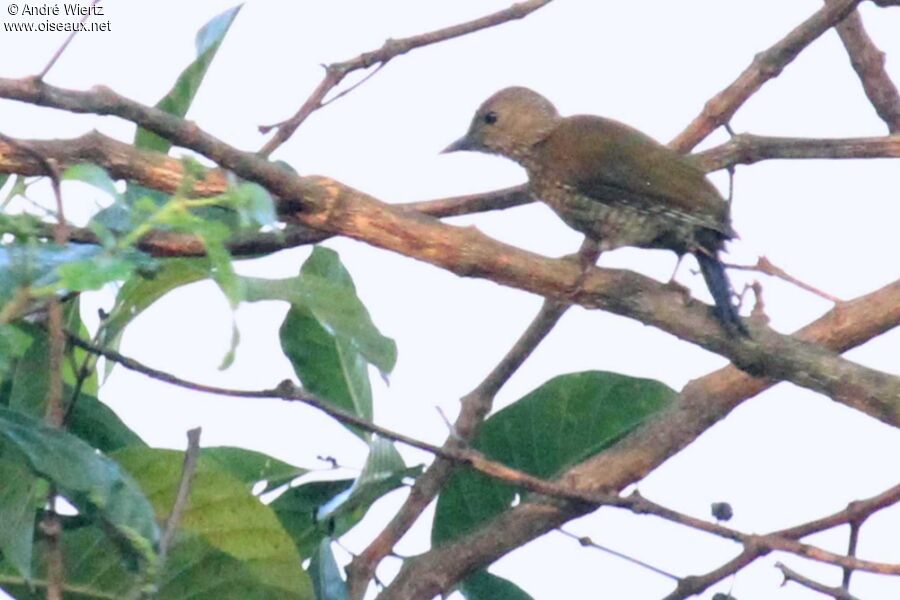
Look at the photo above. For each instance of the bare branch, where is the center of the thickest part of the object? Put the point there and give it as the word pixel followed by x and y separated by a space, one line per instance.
pixel 181 497
pixel 834 592
pixel 59 51
pixel 868 62
pixel 748 149
pixel 336 72
pixel 765 66
pixel 475 406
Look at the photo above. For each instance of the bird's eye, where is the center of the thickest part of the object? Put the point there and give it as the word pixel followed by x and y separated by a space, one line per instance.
pixel 490 117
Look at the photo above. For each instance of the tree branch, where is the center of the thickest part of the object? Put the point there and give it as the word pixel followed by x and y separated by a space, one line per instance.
pixel 701 404
pixel 327 205
pixel 336 72
pixel 868 62
pixel 766 65
pixel 834 592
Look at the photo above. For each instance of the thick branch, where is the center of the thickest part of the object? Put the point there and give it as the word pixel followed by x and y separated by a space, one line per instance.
pixel 766 65
pixel 328 205
pixel 701 404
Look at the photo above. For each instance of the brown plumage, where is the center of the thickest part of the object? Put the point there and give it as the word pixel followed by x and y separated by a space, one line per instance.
pixel 610 182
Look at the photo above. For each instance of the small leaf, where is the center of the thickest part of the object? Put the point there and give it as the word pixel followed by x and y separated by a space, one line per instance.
pixel 322 509
pixel 485 586
pixel 92 175
pixel 326 575
pixel 94 273
pixel 561 423
pixel 296 509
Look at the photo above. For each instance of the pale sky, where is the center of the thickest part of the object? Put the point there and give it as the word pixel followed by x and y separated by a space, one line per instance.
pixel 784 457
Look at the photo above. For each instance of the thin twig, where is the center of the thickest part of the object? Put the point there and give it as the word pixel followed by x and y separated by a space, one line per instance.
pixel 868 62
pixel 181 497
pixel 475 407
pixel 851 551
pixel 784 540
pixel 336 72
pixel 764 265
pixel 791 575
pixel 65 44
pixel 765 66
pixel 587 542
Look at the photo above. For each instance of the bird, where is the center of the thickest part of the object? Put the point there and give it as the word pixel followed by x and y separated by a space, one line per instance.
pixel 611 182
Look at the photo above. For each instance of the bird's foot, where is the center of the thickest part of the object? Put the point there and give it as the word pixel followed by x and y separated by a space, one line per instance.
pixel 585 258
pixel 682 289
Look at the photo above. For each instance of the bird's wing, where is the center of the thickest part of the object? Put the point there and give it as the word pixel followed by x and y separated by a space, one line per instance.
pixel 614 163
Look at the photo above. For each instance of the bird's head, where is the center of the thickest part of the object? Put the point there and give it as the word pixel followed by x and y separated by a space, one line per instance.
pixel 509 123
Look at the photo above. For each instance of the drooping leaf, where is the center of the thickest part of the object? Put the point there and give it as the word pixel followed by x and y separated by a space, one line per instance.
pixel 559 424
pixel 178 100
pixel 326 575
pixel 223 513
pixel 330 299
pixel 139 292
pixel 326 362
pixel 18 502
pixel 90 481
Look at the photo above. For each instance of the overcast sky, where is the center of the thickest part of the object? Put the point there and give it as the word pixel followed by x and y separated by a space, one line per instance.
pixel 784 457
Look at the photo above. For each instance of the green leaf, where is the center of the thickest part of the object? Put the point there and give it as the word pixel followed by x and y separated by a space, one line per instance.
pixel 34 264
pixel 92 175
pixel 139 292
pixel 327 363
pixel 90 481
pixel 485 586
pixel 18 501
pixel 14 342
pixel 97 424
pixel 254 205
pixel 561 423
pixel 324 509
pixel 194 569
pixel 326 575
pixel 97 271
pixel 180 97
pixel 325 290
pixel 296 509
pixel 30 378
pixel 383 472
pixel 223 513
pixel 250 467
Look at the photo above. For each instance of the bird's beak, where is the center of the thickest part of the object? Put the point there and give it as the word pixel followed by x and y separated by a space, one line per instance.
pixel 463 143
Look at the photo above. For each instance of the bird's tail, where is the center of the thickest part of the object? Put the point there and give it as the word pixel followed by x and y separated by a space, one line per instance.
pixel 720 288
